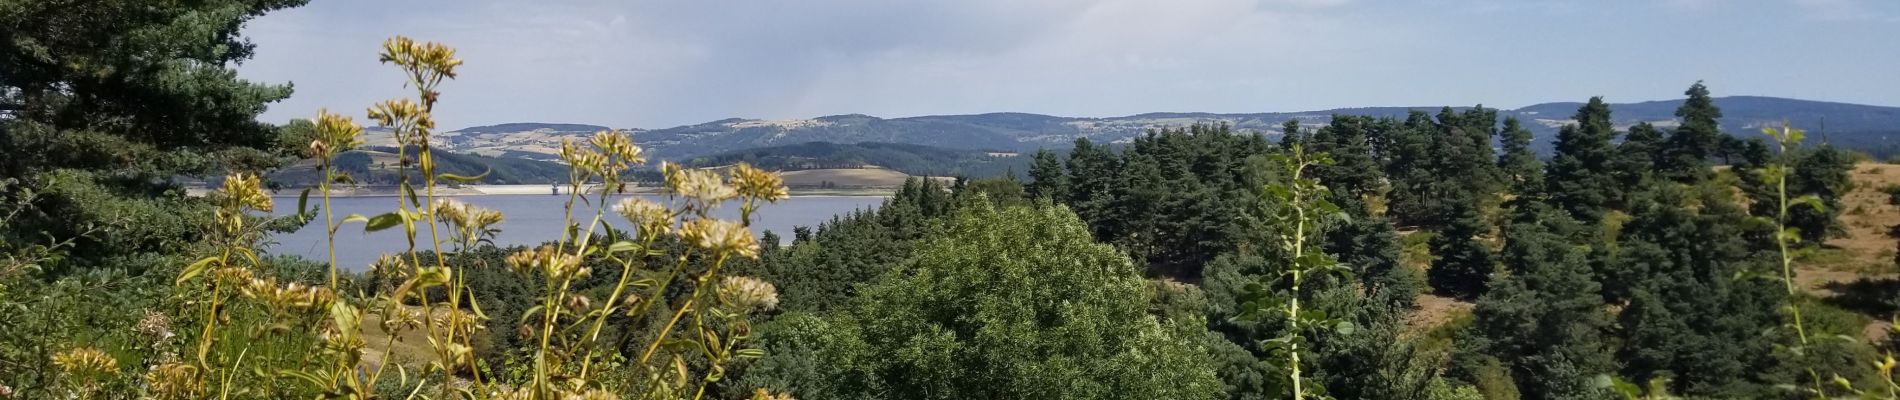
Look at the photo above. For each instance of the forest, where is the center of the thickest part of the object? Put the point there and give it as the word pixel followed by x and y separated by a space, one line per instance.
pixel 1433 257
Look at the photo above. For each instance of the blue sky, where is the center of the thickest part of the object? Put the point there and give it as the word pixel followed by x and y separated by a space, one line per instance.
pixel 661 63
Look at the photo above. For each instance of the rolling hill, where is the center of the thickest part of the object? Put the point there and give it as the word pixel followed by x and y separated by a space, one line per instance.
pixel 909 159
pixel 1865 127
pixel 379 165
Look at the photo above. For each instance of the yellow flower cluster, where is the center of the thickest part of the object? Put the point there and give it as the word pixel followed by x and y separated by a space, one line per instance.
pixel 523 393
pixel 748 293
pixel 243 190
pixel 556 265
pixel 582 158
pixel 420 56
pixel 762 394
pixel 335 133
pixel 233 276
pixel 292 296
pixel 720 236
pixel 705 188
pixel 616 145
pixel 174 381
pixel 86 361
pixel 649 219
pixel 758 184
pixel 470 222
pixel 403 113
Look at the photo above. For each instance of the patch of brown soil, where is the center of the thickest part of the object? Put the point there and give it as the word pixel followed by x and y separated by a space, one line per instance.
pixel 1866 217
pixel 1434 310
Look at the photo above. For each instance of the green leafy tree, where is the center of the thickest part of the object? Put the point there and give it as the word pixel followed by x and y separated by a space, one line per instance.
pixel 980 313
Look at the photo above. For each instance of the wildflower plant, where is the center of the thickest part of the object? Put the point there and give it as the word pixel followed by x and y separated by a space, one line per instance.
pixel 1297 209
pixel 266 337
pixel 1786 139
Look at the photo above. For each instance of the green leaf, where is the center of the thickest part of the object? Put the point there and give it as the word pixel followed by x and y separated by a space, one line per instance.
pixel 194 269
pixel 749 353
pixel 465 179
pixel 622 247
pixel 409 191
pixel 1811 201
pixel 303 202
pixel 379 222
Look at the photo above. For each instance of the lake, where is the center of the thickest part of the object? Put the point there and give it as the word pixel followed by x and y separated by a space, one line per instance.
pixel 530 220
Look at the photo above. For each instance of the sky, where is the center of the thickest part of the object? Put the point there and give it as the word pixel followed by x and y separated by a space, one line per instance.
pixel 664 63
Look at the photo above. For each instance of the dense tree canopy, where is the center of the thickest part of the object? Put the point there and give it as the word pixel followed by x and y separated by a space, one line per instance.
pixel 979 313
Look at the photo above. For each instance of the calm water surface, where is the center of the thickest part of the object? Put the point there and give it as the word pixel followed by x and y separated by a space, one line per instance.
pixel 530 219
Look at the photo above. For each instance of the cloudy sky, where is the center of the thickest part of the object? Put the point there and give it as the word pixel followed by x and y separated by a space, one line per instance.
pixel 661 63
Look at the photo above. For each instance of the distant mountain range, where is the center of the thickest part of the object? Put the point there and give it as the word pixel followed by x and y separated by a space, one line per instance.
pixel 1869 128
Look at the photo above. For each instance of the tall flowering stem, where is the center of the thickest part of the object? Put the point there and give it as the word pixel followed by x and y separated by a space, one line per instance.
pixel 335 134
pixel 1297 209
pixel 1787 140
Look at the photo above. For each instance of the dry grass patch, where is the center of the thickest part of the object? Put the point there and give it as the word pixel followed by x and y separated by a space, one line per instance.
pixel 845 178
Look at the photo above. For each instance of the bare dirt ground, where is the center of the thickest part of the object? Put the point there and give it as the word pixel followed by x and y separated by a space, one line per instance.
pixel 845 178
pixel 1434 310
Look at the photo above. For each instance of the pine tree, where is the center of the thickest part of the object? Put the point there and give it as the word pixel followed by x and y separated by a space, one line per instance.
pixel 1091 182
pixel 1047 178
pixel 1824 173
pixel 1636 158
pixel 1579 176
pixel 1411 169
pixel 1479 125
pixel 1291 134
pixel 1463 263
pixel 1544 321
pixel 1695 140
pixel 1689 319
pixel 1522 172
pixel 1354 174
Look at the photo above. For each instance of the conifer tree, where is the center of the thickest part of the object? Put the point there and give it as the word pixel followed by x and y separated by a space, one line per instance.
pixel 1463 263
pixel 1091 182
pixel 1695 140
pixel 1544 321
pixel 1689 319
pixel 1411 169
pixel 1522 172
pixel 1291 134
pixel 1823 172
pixel 1636 158
pixel 1354 173
pixel 1046 177
pixel 1579 176
pixel 1479 125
